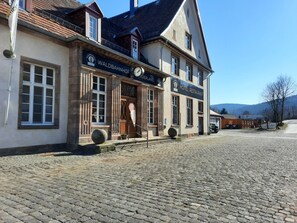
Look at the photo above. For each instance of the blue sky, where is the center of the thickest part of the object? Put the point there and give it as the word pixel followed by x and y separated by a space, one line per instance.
pixel 250 43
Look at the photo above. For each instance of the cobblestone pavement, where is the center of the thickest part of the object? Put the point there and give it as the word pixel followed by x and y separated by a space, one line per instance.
pixel 226 177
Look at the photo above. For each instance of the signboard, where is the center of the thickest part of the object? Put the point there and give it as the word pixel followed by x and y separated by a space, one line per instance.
pixel 150 79
pixel 185 88
pixel 94 60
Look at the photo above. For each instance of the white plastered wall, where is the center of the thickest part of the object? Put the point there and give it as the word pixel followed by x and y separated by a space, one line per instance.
pixel 181 24
pixel 39 49
pixel 160 56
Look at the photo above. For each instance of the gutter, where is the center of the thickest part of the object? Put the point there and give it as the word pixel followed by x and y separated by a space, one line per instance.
pixel 35 28
pixel 29 26
pixel 209 75
pixel 179 50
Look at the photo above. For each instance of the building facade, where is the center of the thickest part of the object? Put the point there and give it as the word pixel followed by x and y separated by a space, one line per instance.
pixel 76 71
pixel 177 47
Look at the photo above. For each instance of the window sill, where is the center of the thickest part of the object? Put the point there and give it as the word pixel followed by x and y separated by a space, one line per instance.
pixel 175 126
pixel 152 126
pixel 189 126
pixel 100 125
pixel 38 127
pixel 200 113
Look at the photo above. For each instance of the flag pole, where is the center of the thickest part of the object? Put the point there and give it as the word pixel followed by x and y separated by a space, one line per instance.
pixel 12 23
pixel 9 94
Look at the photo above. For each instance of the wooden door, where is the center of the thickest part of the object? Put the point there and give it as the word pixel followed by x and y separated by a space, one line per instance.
pixel 126 123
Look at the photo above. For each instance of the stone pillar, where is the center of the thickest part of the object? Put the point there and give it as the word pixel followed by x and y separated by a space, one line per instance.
pixel 160 112
pixel 115 107
pixel 79 100
pixel 142 108
pixel 85 115
pixel 74 92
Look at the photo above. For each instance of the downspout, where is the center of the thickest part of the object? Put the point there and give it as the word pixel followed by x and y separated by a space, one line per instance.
pixel 9 94
pixel 208 100
pixel 161 67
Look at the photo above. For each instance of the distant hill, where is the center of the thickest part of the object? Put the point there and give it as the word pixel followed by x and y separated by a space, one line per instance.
pixel 257 109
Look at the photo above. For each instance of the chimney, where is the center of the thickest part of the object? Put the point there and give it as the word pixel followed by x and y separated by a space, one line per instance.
pixel 133 7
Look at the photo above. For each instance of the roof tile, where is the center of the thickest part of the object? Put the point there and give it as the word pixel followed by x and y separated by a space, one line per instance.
pixel 38 21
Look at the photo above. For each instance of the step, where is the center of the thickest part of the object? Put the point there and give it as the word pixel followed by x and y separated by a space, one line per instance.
pixel 123 144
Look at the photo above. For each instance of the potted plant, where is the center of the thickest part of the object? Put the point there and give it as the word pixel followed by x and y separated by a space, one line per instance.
pixel 124 135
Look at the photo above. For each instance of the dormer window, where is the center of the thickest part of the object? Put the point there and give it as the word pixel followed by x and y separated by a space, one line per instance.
pixel 22 4
pixel 25 5
pixel 135 49
pixel 93 28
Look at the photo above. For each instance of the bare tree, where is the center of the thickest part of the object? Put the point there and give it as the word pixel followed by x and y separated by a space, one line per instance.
pixel 286 88
pixel 276 94
pixel 272 97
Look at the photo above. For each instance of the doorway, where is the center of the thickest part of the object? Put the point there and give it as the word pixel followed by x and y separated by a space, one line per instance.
pixel 128 117
pixel 200 126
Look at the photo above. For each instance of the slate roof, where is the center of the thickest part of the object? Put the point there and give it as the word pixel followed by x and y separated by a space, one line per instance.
pixel 151 19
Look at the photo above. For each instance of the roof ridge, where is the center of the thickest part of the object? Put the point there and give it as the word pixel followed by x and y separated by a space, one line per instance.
pixel 128 12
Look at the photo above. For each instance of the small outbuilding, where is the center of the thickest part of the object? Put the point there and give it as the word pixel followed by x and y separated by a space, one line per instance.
pixel 216 119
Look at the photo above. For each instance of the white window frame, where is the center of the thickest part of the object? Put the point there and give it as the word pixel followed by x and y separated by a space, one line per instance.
pixel 150 106
pixel 96 114
pixel 175 103
pixel 188 41
pixel 174 65
pixel 200 77
pixel 189 112
pixel 189 72
pixel 32 84
pixel 93 24
pixel 134 49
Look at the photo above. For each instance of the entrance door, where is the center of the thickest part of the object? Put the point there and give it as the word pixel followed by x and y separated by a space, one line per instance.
pixel 128 117
pixel 200 126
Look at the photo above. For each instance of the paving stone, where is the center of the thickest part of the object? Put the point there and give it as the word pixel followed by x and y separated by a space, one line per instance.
pixel 289 220
pixel 233 176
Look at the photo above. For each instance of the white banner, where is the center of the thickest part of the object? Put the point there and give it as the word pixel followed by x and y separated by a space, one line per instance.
pixel 132 113
pixel 12 23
